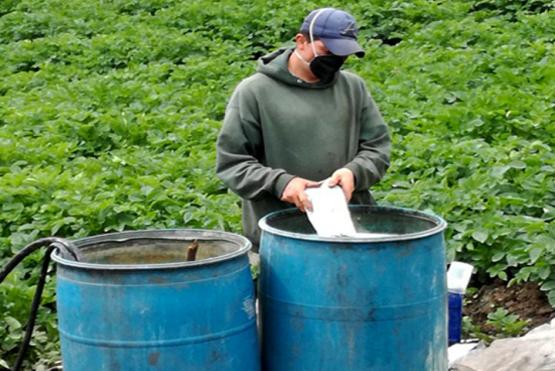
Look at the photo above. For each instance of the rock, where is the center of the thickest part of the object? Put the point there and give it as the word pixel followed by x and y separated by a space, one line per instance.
pixel 254 258
pixel 533 352
pixel 459 350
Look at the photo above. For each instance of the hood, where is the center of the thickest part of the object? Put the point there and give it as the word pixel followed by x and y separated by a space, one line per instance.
pixel 274 65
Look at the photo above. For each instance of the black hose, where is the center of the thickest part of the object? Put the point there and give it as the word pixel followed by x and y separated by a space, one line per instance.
pixel 22 254
pixel 67 250
pixel 34 308
pixel 52 243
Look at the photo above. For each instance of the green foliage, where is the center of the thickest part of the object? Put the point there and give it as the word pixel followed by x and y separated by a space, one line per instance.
pixel 109 113
pixel 470 330
pixel 255 271
pixel 505 323
pixel 470 103
pixel 502 325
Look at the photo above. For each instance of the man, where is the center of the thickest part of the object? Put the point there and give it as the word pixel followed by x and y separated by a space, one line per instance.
pixel 300 120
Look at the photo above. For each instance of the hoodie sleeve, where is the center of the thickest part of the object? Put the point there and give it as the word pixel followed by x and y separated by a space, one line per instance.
pixel 240 150
pixel 372 159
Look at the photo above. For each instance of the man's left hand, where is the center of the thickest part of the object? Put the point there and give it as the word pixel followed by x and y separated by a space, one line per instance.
pixel 345 179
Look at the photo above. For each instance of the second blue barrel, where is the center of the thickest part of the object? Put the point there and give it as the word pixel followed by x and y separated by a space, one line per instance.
pixel 371 303
pixel 134 303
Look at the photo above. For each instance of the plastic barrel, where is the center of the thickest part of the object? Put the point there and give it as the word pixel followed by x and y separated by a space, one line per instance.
pixel 354 304
pixel 134 303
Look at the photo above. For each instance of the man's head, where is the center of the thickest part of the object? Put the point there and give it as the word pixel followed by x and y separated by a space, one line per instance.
pixel 333 31
pixel 326 38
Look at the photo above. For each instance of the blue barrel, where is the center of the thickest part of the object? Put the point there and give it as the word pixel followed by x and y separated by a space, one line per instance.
pixel 375 303
pixel 133 302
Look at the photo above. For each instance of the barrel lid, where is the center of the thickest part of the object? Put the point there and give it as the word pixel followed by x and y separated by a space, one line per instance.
pixel 185 235
pixel 436 224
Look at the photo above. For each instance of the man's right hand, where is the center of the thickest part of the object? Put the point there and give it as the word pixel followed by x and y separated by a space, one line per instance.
pixel 294 193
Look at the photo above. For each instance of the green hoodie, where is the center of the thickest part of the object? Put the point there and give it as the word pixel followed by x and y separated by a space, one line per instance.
pixel 277 126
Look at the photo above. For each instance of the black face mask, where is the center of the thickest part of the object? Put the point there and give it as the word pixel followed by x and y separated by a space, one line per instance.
pixel 326 66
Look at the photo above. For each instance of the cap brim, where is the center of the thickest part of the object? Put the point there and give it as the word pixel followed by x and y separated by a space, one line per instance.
pixel 343 47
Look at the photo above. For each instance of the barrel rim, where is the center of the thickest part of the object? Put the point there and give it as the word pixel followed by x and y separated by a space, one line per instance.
pixel 441 224
pixel 199 234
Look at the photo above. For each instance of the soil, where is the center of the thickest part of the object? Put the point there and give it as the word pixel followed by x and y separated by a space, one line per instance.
pixel 525 300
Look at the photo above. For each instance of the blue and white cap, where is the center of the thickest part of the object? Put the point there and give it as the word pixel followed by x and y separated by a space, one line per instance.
pixel 337 30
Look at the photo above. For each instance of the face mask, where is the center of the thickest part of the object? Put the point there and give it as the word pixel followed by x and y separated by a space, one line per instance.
pixel 322 66
pixel 326 66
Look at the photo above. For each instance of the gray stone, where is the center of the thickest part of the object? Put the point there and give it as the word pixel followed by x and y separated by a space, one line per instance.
pixel 533 352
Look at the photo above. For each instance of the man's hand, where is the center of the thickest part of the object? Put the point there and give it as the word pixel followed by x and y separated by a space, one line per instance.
pixel 294 193
pixel 345 179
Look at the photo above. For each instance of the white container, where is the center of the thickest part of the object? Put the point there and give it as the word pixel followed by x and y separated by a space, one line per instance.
pixel 458 277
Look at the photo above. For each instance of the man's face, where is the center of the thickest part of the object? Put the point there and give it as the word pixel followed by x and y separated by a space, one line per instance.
pixel 305 47
pixel 319 47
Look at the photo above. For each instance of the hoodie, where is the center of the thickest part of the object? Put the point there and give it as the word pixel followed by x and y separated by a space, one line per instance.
pixel 277 127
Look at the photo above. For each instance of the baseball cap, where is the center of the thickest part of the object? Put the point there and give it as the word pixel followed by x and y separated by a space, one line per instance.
pixel 336 28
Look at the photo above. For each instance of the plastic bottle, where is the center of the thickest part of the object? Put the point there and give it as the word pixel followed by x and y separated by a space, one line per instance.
pixel 458 277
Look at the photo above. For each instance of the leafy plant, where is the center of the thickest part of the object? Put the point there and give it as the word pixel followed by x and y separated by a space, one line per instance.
pixel 471 330
pixel 506 324
pixel 499 324
pixel 109 112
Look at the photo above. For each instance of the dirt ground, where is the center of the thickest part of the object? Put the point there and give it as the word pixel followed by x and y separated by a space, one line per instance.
pixel 525 300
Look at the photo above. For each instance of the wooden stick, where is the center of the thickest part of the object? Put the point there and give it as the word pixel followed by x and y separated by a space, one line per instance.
pixel 192 251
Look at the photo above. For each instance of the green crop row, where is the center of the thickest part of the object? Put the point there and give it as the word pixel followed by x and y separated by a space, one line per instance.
pixel 109 113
